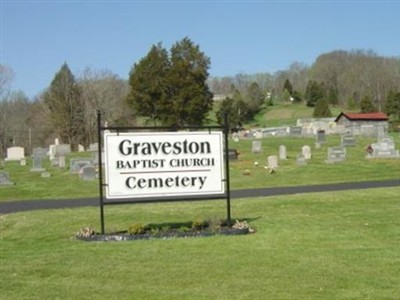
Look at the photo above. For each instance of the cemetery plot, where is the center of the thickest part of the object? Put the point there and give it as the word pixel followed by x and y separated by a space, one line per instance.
pixel 336 154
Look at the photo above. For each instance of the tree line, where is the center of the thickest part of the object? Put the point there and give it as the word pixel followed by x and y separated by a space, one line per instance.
pixel 173 88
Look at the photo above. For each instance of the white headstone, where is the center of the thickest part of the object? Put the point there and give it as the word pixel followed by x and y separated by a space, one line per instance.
pixel 273 161
pixel 282 152
pixel 306 151
pixel 256 147
pixel 15 153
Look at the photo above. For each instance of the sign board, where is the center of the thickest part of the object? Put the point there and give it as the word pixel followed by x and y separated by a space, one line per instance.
pixel 157 164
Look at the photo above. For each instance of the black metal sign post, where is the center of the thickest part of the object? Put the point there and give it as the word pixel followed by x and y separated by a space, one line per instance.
pixel 226 195
pixel 228 188
pixel 99 131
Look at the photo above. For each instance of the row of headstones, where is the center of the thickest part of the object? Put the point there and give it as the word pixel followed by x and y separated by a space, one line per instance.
pixel 335 154
pixel 86 168
pixel 261 133
pixel 55 150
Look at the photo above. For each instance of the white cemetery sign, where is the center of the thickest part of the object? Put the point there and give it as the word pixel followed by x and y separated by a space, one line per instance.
pixel 160 164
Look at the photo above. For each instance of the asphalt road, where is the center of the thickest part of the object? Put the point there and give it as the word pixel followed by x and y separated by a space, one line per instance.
pixel 28 205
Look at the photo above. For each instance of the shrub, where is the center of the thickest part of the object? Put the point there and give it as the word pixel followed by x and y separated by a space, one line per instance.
pixel 199 224
pixel 136 228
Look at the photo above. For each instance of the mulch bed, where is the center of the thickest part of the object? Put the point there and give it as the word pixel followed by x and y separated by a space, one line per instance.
pixel 172 233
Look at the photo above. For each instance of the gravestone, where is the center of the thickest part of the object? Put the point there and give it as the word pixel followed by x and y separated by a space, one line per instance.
pixel 76 164
pixel 22 162
pixel 45 175
pixel 282 152
pixel 5 179
pixel 235 137
pixel 300 160
pixel 233 154
pixel 348 140
pixel 55 162
pixel 256 147
pixel 272 161
pixel 306 151
pixel 52 152
pixel 42 152
pixel 61 161
pixel 63 149
pixel 37 164
pixel 295 130
pixel 336 154
pixel 15 153
pixel 88 173
pixel 385 148
pixel 94 147
pixel 258 134
pixel 81 148
pixel 321 136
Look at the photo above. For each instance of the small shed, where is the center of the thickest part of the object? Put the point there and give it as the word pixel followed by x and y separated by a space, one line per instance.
pixel 366 124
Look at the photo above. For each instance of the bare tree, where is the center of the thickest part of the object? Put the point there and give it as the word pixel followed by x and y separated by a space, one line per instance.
pixel 102 90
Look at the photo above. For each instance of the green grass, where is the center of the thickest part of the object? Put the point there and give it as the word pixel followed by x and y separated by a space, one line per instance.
pixel 342 245
pixel 62 184
pixel 285 115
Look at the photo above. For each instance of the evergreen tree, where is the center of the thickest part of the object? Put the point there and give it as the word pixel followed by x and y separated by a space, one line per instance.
pixel 314 92
pixel 321 109
pixel 228 108
pixel 288 87
pixel 172 89
pixel 190 96
pixel 255 98
pixel 64 102
pixel 392 105
pixel 366 105
pixel 148 81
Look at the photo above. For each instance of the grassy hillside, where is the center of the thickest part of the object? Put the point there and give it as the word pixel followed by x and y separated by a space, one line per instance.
pixel 277 115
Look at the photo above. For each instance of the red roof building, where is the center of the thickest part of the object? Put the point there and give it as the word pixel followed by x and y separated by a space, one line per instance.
pixel 368 124
pixel 375 116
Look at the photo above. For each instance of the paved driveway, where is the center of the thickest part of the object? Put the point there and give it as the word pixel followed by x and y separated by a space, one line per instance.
pixel 17 206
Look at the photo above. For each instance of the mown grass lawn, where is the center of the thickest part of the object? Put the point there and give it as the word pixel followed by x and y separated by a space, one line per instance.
pixel 62 184
pixel 342 245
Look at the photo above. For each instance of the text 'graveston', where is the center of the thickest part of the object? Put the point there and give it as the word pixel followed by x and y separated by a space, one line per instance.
pixel 133 149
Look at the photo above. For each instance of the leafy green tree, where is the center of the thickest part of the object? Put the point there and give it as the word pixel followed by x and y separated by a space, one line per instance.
pixel 314 92
pixel 64 103
pixel 366 105
pixel 148 81
pixel 321 109
pixel 392 105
